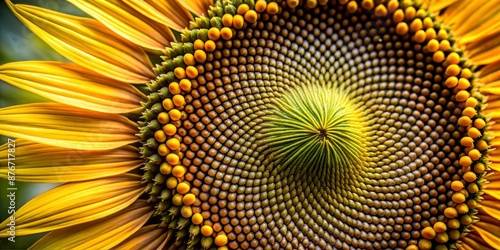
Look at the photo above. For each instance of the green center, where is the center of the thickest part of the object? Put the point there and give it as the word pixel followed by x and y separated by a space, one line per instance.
pixel 315 126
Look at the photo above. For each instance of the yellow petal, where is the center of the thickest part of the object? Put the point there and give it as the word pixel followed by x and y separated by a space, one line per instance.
pixel 87 42
pixel 437 5
pixel 75 203
pixel 169 13
pixel 473 20
pixel 490 206
pixel 100 234
pixel 490 72
pixel 489 232
pixel 198 7
pixel 474 242
pixel 485 51
pixel 41 163
pixel 128 23
pixel 148 237
pixel 73 85
pixel 65 126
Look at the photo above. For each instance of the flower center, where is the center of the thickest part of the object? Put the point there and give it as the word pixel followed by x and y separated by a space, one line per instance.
pixel 340 124
pixel 315 126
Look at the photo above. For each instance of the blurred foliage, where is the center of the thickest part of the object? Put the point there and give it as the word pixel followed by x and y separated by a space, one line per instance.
pixel 17 43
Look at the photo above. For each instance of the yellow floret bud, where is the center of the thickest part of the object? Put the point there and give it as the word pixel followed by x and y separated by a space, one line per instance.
pixel 189 59
pixel 183 188
pixel 178 100
pixel 179 171
pixel 165 168
pixel 177 199
pixel 186 212
pixel 163 150
pixel 185 85
pixel 170 129
pixel 251 16
pixel 227 20
pixel 220 240
pixel 428 233
pixel 191 71
pixel 272 8
pixel 197 219
pixel 439 227
pixel 213 34
pixel 163 118
pixel 188 199
pixel 174 88
pixel 172 159
pixel 171 182
pixel 226 33
pixel 206 230
pixel 210 46
pixel 173 143
pixel 470 176
pixel 174 114
pixel 457 186
pixel 160 136
pixel 180 73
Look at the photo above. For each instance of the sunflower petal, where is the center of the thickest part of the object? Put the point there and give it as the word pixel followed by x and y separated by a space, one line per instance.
pixel 198 7
pixel 75 203
pixel 481 19
pixel 99 234
pixel 438 5
pixel 128 23
pixel 490 206
pixel 73 85
pixel 87 42
pixel 169 13
pixel 485 51
pixel 68 127
pixel 489 232
pixel 148 237
pixel 474 242
pixel 41 163
pixel 490 72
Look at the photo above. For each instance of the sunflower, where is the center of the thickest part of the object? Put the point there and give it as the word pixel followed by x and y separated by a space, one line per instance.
pixel 287 124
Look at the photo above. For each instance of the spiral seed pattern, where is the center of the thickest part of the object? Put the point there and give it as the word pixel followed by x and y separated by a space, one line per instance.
pixel 315 124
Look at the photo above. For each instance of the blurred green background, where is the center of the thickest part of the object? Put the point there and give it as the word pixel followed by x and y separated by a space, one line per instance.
pixel 17 43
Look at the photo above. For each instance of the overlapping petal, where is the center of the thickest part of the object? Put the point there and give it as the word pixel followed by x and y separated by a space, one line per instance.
pixel 76 203
pixel 73 85
pixel 198 7
pixel 128 23
pixel 65 126
pixel 99 234
pixel 88 43
pixel 36 162
pixel 169 13
pixel 148 237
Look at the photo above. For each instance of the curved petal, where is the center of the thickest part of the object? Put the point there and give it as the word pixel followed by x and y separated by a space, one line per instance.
pixel 99 234
pixel 490 233
pixel 474 241
pixel 73 85
pixel 473 20
pixel 41 163
pixel 128 23
pixel 437 5
pixel 198 7
pixel 87 42
pixel 148 237
pixel 68 127
pixel 486 50
pixel 169 13
pixel 76 203
pixel 490 72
